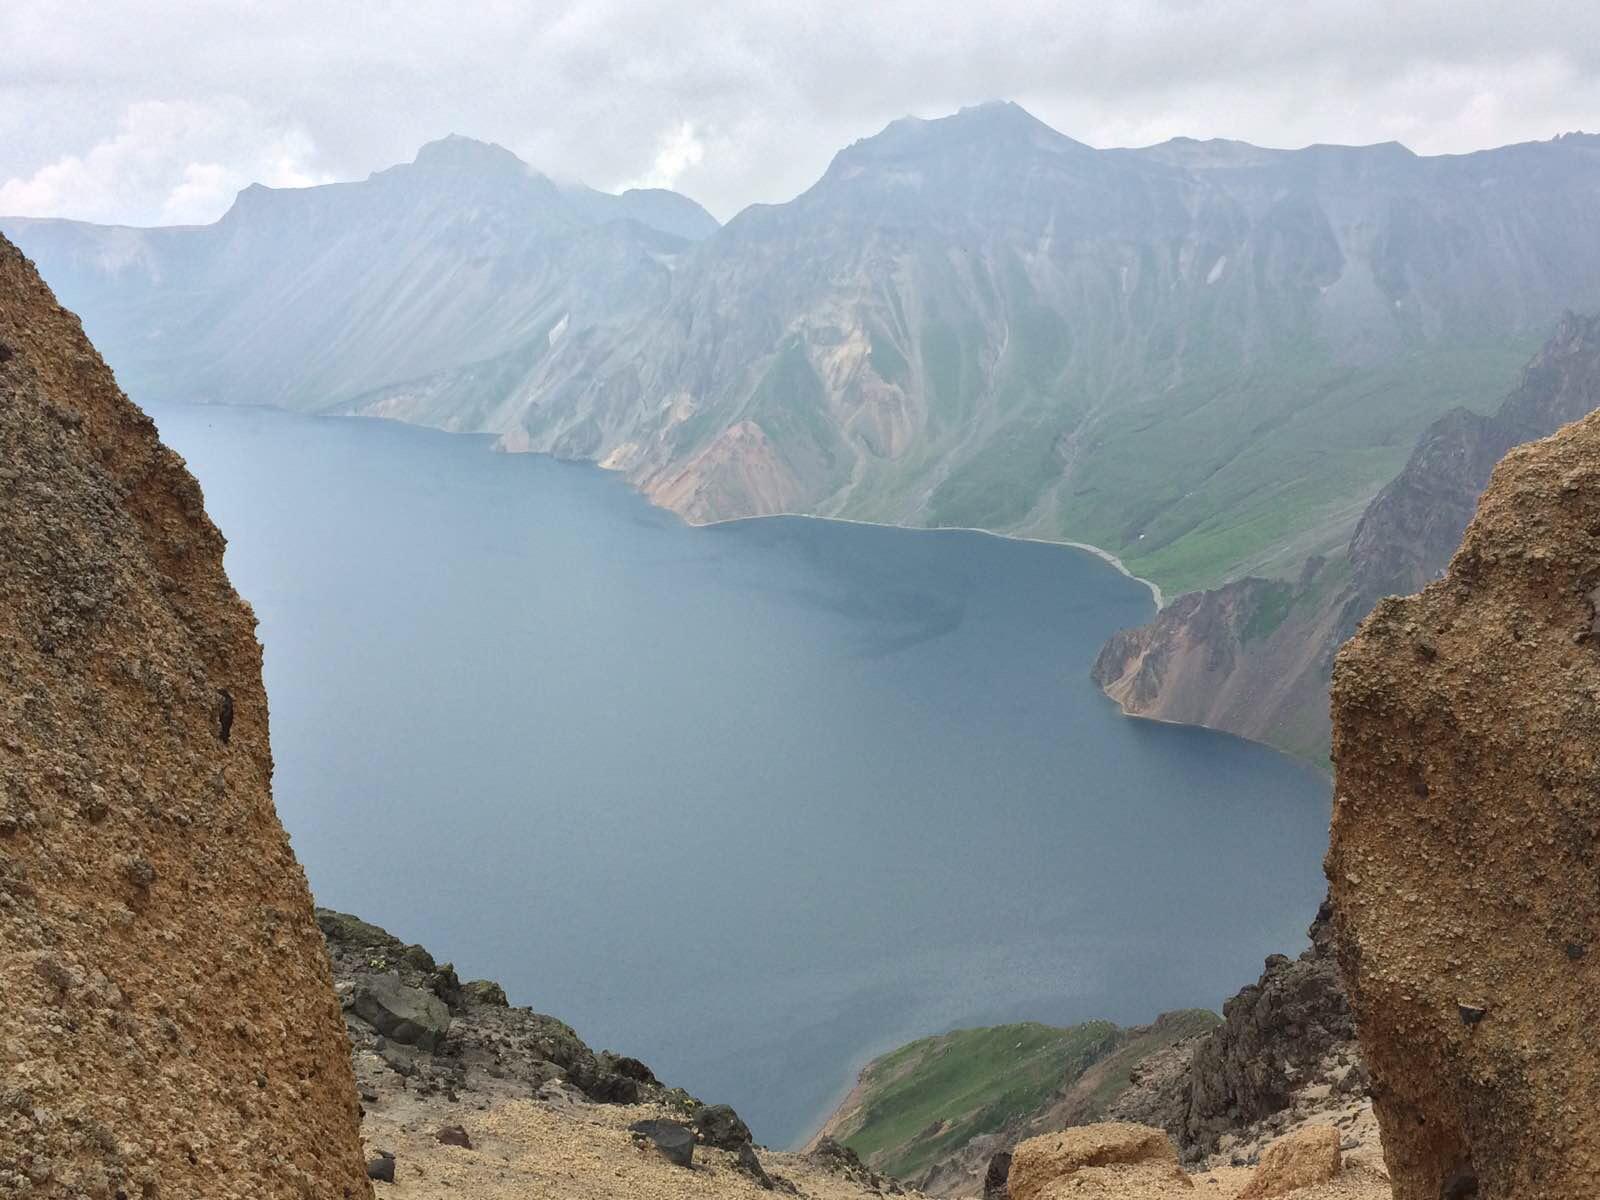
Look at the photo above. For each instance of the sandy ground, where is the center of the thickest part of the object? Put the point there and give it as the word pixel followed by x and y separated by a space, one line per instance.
pixel 528 1149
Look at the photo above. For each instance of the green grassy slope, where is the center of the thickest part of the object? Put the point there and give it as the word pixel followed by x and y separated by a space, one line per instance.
pixel 926 1100
pixel 1249 476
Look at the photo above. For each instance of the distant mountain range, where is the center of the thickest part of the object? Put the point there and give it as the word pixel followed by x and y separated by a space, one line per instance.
pixel 311 298
pixel 1204 357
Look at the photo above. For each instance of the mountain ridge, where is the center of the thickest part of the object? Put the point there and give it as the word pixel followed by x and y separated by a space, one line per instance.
pixel 1203 357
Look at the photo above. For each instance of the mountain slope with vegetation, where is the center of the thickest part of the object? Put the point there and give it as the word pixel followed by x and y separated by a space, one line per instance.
pixel 1255 656
pixel 946 1112
pixel 1205 357
pixel 465 260
pixel 918 1107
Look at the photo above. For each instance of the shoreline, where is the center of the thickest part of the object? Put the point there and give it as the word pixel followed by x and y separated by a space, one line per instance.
pixel 499 446
pixel 1103 555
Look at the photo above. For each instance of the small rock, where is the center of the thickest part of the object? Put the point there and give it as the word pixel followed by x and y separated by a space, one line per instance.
pixel 56 973
pixel 1471 1014
pixel 402 1060
pixel 139 872
pixel 751 1166
pixel 454 1135
pixel 559 1094
pixel 623 1065
pixel 674 1139
pixel 381 1168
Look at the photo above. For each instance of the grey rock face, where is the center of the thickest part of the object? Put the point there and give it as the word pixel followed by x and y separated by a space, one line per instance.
pixel 1255 657
pixel 406 1014
pixel 721 1127
pixel 1273 1034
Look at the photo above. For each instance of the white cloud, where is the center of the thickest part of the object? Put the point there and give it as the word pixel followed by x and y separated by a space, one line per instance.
pixel 154 109
pixel 168 162
pixel 679 149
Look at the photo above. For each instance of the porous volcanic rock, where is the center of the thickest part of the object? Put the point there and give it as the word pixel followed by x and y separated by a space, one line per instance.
pixel 1466 832
pixel 1303 1159
pixel 170 1023
pixel 1104 1159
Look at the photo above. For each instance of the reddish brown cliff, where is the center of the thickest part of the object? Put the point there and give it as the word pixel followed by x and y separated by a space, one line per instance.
pixel 1466 834
pixel 170 1023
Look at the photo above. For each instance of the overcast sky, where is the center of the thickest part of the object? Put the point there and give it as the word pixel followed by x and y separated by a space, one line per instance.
pixel 158 112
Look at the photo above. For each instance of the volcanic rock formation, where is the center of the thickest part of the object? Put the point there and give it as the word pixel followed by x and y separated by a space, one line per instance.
pixel 1291 1028
pixel 170 1023
pixel 1467 747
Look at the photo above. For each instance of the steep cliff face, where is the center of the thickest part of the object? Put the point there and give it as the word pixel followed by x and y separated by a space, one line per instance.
pixel 1195 360
pixel 171 1028
pixel 1467 749
pixel 1204 357
pixel 1291 1030
pixel 1254 657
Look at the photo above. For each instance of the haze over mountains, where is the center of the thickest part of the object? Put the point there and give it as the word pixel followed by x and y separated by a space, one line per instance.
pixel 308 298
pixel 1204 357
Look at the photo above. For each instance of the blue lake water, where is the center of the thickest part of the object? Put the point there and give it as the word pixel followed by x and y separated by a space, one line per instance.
pixel 752 802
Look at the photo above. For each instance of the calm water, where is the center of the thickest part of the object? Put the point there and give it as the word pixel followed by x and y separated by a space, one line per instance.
pixel 752 802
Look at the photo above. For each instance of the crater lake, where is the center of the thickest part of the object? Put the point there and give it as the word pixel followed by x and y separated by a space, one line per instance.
pixel 751 802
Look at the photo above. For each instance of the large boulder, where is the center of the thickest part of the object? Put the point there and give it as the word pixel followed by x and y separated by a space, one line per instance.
pixel 1109 1159
pixel 1302 1159
pixel 1466 833
pixel 409 1015
pixel 170 1022
pixel 720 1126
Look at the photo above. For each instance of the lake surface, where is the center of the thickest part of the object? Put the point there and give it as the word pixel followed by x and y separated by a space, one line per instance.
pixel 753 802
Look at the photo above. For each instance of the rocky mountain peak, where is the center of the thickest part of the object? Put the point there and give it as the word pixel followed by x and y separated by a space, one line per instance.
pixel 455 152
pixel 995 128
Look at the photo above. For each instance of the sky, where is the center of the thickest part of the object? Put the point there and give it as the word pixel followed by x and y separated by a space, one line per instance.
pixel 146 112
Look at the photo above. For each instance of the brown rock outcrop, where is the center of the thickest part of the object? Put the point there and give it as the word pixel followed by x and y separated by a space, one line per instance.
pixel 1466 833
pixel 1302 1159
pixel 170 1023
pixel 1107 1159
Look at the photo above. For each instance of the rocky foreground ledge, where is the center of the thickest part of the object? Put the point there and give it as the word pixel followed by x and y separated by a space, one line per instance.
pixel 464 1095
